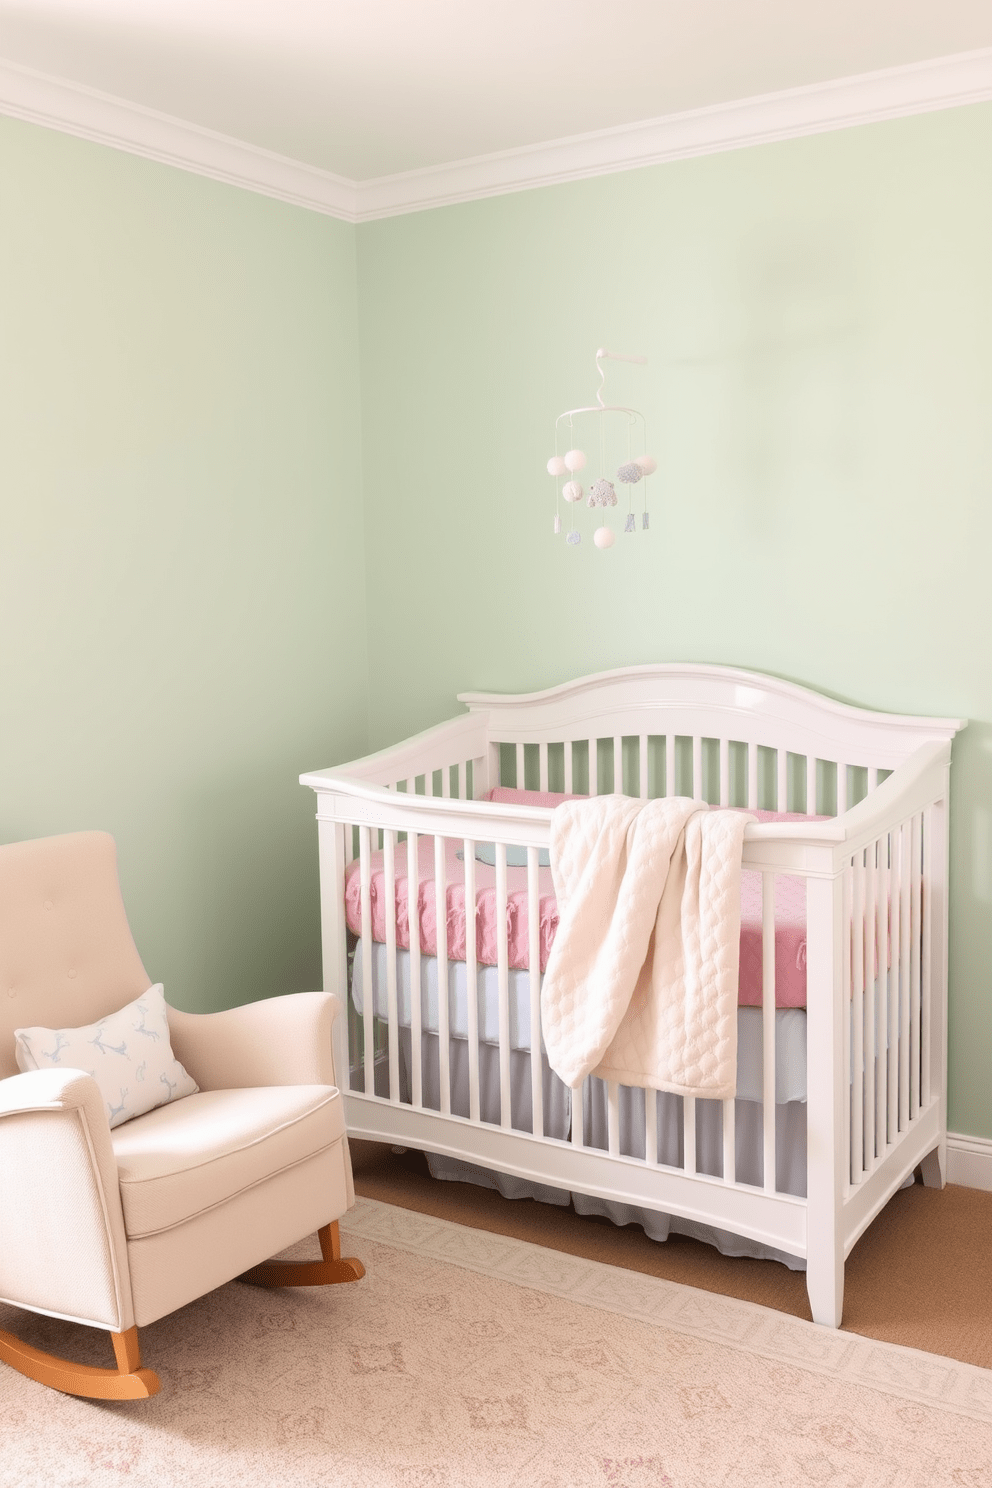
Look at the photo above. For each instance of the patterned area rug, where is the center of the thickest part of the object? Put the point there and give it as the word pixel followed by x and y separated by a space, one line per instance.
pixel 468 1358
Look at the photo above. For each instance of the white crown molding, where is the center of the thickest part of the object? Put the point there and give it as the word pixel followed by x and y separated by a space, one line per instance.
pixel 969 1161
pixel 90 115
pixel 945 82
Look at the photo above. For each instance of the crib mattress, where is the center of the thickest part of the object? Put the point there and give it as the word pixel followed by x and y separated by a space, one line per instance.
pixel 790 1023
pixel 790 917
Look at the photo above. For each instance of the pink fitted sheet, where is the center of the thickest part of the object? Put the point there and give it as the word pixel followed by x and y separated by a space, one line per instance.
pixel 790 913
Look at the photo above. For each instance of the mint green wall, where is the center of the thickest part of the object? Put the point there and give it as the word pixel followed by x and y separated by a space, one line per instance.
pixel 818 317
pixel 181 568
pixel 183 565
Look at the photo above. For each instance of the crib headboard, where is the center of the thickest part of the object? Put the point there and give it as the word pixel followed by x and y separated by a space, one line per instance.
pixel 731 736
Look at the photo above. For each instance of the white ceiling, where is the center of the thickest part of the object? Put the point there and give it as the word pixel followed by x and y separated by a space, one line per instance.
pixel 371 88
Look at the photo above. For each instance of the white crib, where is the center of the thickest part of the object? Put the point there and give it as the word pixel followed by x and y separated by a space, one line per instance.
pixel 876 942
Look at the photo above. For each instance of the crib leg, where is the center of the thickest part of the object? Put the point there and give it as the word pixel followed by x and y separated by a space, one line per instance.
pixel 825 1285
pixel 934 1167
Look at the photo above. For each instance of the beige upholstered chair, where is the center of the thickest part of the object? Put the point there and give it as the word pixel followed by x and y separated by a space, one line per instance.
pixel 116 1228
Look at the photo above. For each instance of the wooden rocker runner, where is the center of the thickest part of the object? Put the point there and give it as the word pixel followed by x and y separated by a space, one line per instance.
pixel 129 1381
pixel 329 1271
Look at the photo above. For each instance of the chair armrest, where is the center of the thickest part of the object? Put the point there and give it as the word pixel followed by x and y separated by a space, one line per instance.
pixel 63 1248
pixel 278 1041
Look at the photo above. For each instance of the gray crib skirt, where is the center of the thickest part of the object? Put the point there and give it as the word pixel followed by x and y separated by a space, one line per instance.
pixel 790 1125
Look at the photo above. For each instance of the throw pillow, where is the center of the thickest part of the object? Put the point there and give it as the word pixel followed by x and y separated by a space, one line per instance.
pixel 128 1053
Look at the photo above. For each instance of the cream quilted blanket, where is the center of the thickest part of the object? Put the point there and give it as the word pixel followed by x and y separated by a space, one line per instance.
pixel 641 983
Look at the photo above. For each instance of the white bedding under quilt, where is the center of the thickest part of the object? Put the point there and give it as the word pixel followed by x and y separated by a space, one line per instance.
pixel 790 1023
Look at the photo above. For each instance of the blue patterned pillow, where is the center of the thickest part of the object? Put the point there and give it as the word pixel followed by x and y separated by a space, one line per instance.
pixel 128 1054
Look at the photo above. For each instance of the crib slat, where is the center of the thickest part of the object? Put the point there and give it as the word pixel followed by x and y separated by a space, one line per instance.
pixel 542 766
pixel 926 890
pixel 521 771
pixel 905 933
pixel 724 772
pixel 471 981
pixel 416 1019
pixel 494 769
pixel 768 1030
pixel 534 971
pixel 697 768
pixel 578 1117
pixel 651 1127
pixel 914 963
pixel 782 780
pixel 392 1010
pixel 502 972
pixel 594 767
pixel 847 891
pixel 613 1117
pixel 752 776
pixel 443 1020
pixel 883 1136
pixel 568 767
pixel 810 785
pixel 617 766
pixel 689 1130
pixel 670 783
pixel 368 994
pixel 642 767
pixel 445 783
pixel 873 775
pixel 729 1141
pixel 858 1023
pixel 871 1012
pixel 841 788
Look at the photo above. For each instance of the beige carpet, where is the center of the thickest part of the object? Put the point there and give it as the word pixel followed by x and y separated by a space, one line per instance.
pixel 470 1358
pixel 921 1275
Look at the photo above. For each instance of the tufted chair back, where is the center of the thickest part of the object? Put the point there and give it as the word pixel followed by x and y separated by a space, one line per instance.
pixel 67 956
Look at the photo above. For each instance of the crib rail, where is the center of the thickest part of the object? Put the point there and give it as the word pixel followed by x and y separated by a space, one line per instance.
pixel 448 761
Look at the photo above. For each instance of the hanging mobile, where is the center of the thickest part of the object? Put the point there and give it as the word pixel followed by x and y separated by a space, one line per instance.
pixel 602 491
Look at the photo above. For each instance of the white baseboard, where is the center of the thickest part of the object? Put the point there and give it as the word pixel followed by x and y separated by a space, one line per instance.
pixel 969 1161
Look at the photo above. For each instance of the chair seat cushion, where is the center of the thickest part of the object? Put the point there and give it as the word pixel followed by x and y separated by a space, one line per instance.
pixel 185 1158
